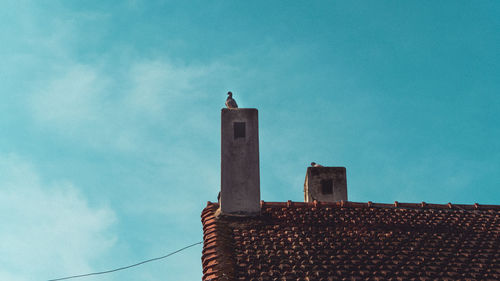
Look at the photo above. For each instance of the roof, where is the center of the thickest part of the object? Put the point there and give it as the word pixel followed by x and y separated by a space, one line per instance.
pixel 353 241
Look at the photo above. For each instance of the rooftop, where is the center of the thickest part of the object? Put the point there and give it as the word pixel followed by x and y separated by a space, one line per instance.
pixel 353 241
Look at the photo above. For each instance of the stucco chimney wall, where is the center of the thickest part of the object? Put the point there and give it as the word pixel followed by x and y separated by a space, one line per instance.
pixel 325 184
pixel 240 178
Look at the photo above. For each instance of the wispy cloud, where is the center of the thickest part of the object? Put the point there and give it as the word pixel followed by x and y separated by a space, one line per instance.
pixel 115 110
pixel 71 99
pixel 47 227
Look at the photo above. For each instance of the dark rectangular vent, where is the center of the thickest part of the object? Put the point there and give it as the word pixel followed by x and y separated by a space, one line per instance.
pixel 327 186
pixel 239 130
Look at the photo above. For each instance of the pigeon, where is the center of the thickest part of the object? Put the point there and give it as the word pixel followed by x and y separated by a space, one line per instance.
pixel 230 102
pixel 314 164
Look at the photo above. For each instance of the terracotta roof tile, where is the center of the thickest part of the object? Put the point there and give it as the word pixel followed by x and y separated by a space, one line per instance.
pixel 354 241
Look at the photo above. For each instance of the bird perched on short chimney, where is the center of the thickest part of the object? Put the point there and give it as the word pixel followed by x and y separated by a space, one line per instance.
pixel 230 102
pixel 314 164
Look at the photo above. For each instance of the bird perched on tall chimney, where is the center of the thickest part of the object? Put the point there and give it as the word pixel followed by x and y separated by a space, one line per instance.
pixel 230 102
pixel 314 164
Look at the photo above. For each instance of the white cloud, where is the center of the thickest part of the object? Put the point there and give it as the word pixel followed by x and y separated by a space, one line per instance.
pixel 69 99
pixel 156 85
pixel 47 229
pixel 120 110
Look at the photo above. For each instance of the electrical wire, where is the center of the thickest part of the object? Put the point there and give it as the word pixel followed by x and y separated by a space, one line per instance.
pixel 128 266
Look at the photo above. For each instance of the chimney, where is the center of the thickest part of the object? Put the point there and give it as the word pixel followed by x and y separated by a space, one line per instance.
pixel 325 184
pixel 240 180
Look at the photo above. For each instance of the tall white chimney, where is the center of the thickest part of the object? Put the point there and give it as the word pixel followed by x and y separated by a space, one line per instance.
pixel 240 179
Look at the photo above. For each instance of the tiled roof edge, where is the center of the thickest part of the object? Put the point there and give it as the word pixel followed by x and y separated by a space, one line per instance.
pixel 218 263
pixel 369 204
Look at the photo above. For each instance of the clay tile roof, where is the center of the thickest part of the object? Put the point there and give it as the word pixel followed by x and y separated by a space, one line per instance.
pixel 353 241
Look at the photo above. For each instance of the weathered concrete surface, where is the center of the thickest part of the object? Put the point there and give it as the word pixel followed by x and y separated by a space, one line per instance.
pixel 321 179
pixel 240 178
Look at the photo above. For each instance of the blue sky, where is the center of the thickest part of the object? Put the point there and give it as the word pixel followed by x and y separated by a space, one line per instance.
pixel 110 117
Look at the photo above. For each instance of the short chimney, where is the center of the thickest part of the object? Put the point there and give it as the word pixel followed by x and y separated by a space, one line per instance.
pixel 325 184
pixel 240 179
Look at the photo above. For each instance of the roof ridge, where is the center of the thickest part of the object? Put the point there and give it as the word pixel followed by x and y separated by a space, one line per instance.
pixel 370 204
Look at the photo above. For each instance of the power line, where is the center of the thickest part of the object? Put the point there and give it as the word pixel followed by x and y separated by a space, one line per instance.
pixel 128 266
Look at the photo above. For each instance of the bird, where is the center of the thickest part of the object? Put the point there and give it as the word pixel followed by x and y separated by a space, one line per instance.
pixel 314 164
pixel 230 102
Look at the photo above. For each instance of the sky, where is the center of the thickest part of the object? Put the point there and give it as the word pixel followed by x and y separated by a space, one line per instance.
pixel 110 117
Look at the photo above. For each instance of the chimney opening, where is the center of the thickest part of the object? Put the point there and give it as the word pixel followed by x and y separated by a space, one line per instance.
pixel 327 186
pixel 239 130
